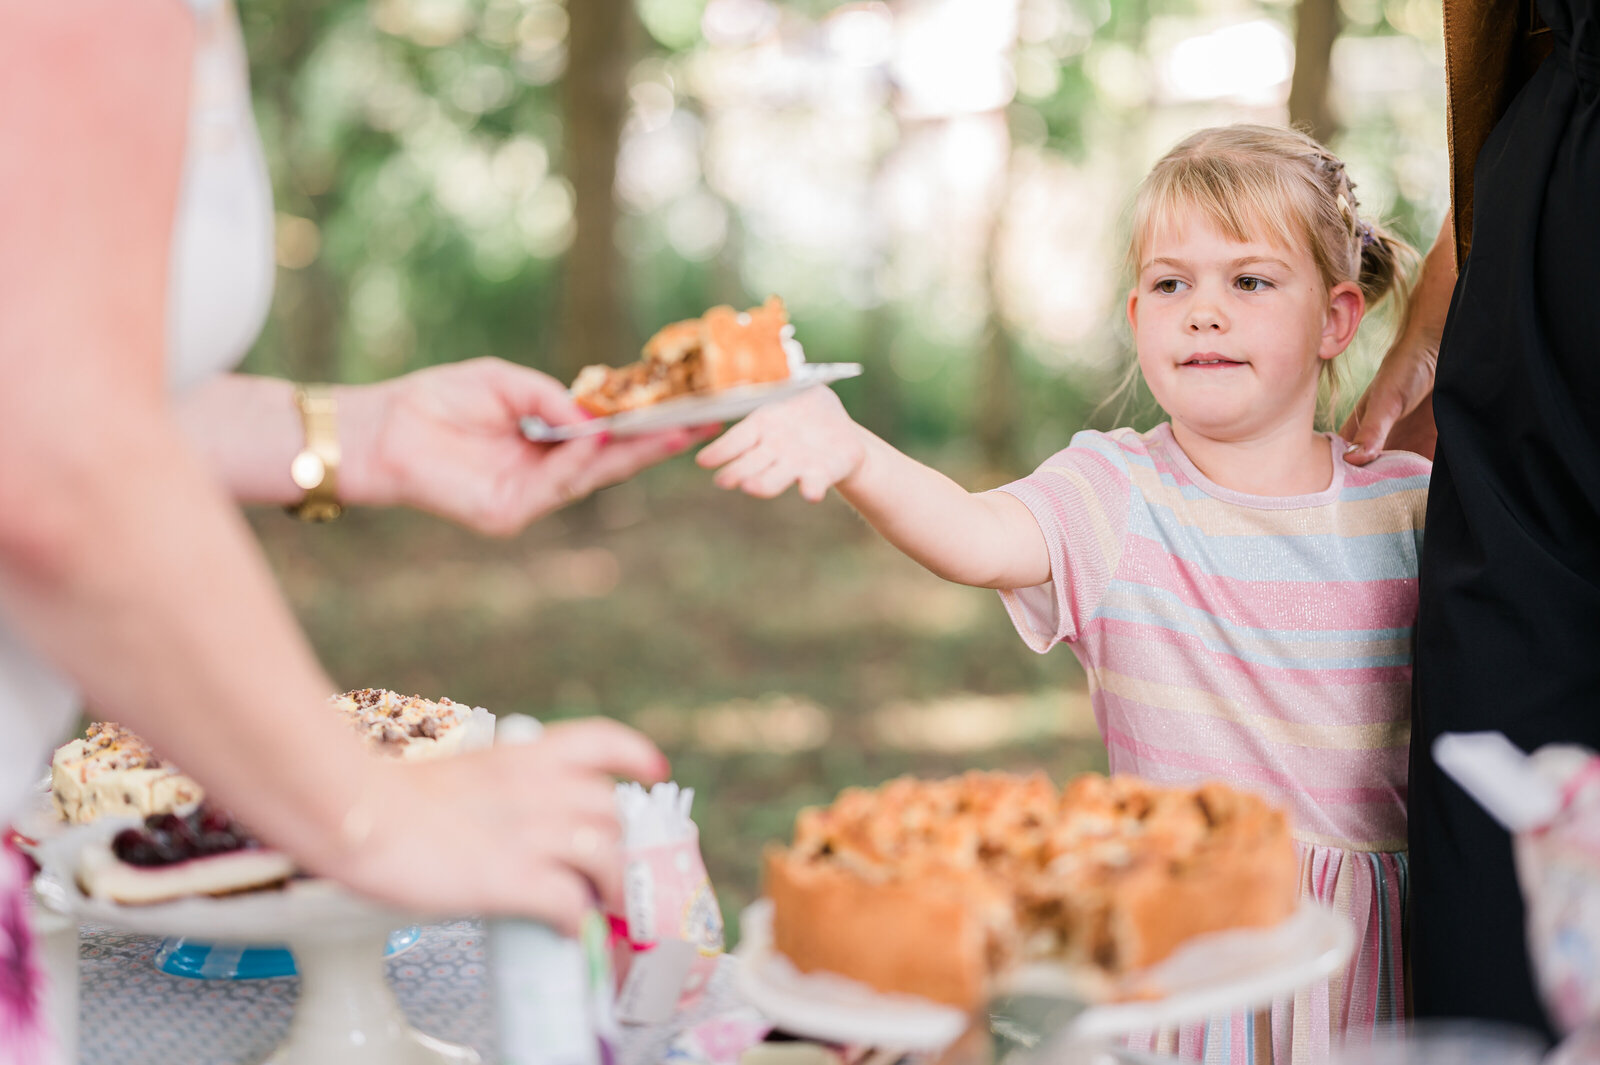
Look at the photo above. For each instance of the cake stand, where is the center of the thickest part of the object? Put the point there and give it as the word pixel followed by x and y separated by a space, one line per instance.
pixel 1222 972
pixel 346 1013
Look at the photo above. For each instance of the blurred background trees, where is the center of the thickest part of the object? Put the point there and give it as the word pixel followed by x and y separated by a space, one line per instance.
pixel 936 188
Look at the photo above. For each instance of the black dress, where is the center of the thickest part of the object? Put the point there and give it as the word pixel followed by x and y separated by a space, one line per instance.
pixel 1508 635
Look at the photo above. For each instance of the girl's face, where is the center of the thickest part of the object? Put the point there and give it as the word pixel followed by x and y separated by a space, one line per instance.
pixel 1232 335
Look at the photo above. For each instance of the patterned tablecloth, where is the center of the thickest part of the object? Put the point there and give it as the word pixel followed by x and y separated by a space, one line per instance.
pixel 133 1014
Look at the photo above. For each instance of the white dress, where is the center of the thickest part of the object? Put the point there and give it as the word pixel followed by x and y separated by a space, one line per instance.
pixel 219 289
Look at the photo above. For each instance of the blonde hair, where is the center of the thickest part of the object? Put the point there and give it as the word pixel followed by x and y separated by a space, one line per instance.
pixel 1278 184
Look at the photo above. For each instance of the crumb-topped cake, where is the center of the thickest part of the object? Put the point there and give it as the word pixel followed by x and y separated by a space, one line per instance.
pixel 933 887
pixel 112 772
pixel 405 726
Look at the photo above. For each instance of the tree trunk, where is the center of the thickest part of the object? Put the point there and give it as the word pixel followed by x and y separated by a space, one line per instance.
pixel 1316 28
pixel 998 413
pixel 594 320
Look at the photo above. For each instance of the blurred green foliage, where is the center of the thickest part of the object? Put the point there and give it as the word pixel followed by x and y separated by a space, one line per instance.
pixel 416 152
pixel 421 139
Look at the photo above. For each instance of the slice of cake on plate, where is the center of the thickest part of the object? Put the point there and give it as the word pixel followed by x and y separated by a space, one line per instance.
pixel 407 726
pixel 111 772
pixel 935 888
pixel 173 856
pixel 720 349
pixel 186 847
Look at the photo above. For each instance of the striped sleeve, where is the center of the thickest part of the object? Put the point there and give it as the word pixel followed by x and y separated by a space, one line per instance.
pixel 1080 498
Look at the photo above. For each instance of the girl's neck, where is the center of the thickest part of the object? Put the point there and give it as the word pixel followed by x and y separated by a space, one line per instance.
pixel 1285 462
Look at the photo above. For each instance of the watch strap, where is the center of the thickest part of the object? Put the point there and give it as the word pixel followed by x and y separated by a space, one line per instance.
pixel 315 469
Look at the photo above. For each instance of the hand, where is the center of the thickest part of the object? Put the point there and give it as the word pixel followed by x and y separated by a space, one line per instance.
pixel 1396 411
pixel 525 829
pixel 808 440
pixel 446 440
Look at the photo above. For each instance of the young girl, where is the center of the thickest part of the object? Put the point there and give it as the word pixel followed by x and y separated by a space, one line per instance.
pixel 1241 598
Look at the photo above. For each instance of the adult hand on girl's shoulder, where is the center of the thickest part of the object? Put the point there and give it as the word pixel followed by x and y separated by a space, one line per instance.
pixel 1396 411
pixel 446 440
pixel 808 440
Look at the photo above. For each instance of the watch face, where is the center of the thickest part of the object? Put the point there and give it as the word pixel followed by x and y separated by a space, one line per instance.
pixel 307 470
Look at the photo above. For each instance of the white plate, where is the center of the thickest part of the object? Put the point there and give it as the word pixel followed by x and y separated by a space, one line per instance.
pixel 1219 973
pixel 825 1006
pixel 722 406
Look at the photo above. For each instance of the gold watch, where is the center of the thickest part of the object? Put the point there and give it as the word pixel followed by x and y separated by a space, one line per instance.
pixel 316 468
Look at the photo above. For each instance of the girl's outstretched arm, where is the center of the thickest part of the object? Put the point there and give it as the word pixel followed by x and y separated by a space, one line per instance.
pixel 985 539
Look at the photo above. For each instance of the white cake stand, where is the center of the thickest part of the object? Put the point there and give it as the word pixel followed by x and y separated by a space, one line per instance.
pixel 1218 973
pixel 346 1013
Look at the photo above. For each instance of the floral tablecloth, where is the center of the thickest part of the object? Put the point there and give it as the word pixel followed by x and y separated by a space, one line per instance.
pixel 132 1014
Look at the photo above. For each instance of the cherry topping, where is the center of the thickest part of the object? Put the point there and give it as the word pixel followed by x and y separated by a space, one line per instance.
pixel 170 838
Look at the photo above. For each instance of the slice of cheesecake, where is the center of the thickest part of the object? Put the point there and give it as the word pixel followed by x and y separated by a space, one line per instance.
pixel 112 772
pixel 173 856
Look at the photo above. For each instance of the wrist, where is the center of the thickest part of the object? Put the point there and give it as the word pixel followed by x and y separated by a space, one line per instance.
pixel 859 479
pixel 366 477
pixel 346 831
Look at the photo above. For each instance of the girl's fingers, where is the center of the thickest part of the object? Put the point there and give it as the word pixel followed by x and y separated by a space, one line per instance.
pixel 814 485
pixel 738 473
pixel 731 444
pixel 771 482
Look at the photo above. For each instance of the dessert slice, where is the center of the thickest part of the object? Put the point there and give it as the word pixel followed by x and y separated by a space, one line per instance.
pixel 112 772
pixel 203 852
pixel 718 350
pixel 188 848
pixel 405 726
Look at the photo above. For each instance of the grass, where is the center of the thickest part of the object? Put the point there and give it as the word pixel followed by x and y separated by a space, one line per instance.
pixel 777 651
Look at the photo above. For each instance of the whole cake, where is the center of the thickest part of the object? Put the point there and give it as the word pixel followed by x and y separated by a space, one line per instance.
pixel 933 888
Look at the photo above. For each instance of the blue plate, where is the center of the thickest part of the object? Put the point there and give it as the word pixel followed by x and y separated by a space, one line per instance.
pixel 228 961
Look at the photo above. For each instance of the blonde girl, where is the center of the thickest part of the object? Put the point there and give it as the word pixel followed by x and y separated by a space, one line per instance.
pixel 1242 599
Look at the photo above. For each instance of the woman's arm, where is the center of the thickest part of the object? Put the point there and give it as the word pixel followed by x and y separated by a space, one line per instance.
pixel 987 539
pixel 1396 410
pixel 123 562
pixel 119 560
pixel 444 440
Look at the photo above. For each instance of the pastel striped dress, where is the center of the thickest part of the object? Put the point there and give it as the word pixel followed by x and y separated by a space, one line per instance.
pixel 1264 641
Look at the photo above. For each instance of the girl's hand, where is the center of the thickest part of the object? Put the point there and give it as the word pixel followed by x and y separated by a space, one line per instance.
pixel 446 440
pixel 526 829
pixel 808 440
